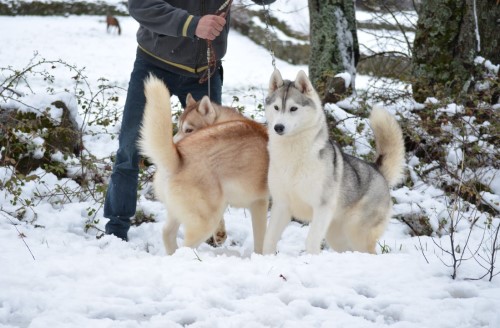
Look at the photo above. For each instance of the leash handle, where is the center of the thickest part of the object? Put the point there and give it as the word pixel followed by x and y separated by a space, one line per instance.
pixel 209 74
pixel 211 60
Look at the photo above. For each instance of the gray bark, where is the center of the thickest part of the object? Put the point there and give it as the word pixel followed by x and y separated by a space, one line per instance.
pixel 446 44
pixel 334 45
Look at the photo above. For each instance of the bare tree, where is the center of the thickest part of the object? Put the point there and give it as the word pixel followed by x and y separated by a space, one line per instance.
pixel 334 46
pixel 450 35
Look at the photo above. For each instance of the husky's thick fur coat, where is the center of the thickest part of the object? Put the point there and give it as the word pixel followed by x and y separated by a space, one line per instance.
pixel 199 176
pixel 200 114
pixel 346 199
pixel 196 116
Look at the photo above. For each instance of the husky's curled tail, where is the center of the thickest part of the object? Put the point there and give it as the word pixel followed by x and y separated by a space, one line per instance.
pixel 346 199
pixel 156 140
pixel 197 177
pixel 389 145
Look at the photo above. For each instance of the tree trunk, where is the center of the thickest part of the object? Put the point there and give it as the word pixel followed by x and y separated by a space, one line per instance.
pixel 334 46
pixel 488 19
pixel 447 42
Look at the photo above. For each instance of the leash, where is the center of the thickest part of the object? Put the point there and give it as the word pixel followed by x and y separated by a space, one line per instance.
pixel 211 60
pixel 268 35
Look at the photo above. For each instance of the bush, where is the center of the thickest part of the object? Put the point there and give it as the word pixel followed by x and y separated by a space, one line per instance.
pixel 46 139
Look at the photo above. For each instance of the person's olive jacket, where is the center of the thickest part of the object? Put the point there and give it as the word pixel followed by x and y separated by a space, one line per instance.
pixel 166 33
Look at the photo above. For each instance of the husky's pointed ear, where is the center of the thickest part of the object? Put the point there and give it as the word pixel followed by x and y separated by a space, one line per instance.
pixel 206 108
pixel 190 100
pixel 303 83
pixel 276 81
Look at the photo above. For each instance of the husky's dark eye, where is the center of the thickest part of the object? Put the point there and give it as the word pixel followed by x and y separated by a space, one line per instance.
pixel 293 109
pixel 188 130
pixel 276 107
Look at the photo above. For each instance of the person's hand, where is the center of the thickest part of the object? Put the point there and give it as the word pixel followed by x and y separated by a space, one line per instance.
pixel 210 26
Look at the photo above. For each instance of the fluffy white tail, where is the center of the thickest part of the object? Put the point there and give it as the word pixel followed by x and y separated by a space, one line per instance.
pixel 389 144
pixel 156 140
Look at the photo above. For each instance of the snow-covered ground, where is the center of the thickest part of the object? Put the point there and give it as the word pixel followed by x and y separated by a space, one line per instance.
pixel 76 280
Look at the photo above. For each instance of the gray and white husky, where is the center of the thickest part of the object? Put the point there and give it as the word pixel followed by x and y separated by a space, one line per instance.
pixel 345 199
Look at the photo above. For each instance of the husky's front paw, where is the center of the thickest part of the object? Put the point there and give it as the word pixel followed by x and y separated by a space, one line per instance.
pixel 313 246
pixel 269 249
pixel 313 250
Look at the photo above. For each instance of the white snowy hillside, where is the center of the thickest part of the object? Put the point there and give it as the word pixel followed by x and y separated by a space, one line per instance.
pixel 56 272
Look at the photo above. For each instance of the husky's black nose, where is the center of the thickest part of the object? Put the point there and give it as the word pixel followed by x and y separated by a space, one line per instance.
pixel 279 128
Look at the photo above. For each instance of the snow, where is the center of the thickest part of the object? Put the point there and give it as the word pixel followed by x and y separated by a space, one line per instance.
pixel 345 41
pixel 451 109
pixel 294 12
pixel 77 280
pixel 346 77
pixel 487 64
pixel 476 28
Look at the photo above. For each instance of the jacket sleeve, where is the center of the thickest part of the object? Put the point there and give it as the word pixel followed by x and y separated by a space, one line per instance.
pixel 163 18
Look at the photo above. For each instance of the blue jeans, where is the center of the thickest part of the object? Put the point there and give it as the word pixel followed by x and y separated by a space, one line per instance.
pixel 121 196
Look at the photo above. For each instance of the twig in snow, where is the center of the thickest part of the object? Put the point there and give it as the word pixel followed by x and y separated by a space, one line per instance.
pixel 6 215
